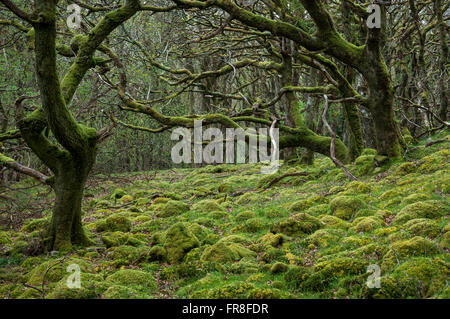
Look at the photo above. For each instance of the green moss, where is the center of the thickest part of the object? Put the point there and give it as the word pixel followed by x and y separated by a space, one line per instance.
pixel 325 237
pixel 296 276
pixel 416 246
pixel 114 223
pixel 278 268
pixel 179 241
pixel 172 208
pixel 131 277
pixel 445 242
pixel 226 252
pixel 31 225
pixel 405 168
pixel 226 188
pixel 54 271
pixel 413 198
pixel 297 225
pixel 160 200
pixel 240 290
pixel 126 199
pixel 243 216
pixel 207 205
pixel 345 207
pixel 123 255
pixel 253 225
pixel 91 287
pixel 334 222
pixel 367 224
pixel 122 292
pixel 423 227
pixel 427 209
pixel 418 278
pixel 303 204
pixel 271 240
pixel 118 193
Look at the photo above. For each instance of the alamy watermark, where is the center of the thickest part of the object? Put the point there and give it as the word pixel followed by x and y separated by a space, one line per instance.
pixel 373 281
pixel 373 21
pixel 208 146
pixel 74 280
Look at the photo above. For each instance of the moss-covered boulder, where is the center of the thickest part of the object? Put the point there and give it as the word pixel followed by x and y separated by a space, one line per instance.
pixel 423 227
pixel 91 287
pixel 224 252
pixel 271 240
pixel 427 209
pixel 114 223
pixel 53 271
pixel 179 241
pixel 325 237
pixel 279 268
pixel 297 225
pixel 118 193
pixel 416 246
pixel 345 207
pixel 367 224
pixel 330 221
pixel 418 277
pixel 172 208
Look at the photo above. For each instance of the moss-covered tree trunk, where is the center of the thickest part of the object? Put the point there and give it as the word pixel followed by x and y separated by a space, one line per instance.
pixel 66 227
pixel 73 157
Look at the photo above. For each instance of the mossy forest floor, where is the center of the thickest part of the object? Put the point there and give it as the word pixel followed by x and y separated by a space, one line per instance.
pixel 218 232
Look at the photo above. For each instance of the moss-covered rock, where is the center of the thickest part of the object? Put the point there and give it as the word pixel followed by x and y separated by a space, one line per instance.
pixel 172 208
pixel 334 222
pixel 278 268
pixel 271 240
pixel 345 207
pixel 367 224
pixel 179 241
pixel 301 205
pixel 325 237
pixel 297 225
pixel 130 277
pixel 423 227
pixel 54 271
pixel 416 246
pixel 118 193
pixel 126 199
pixel 418 278
pixel 91 287
pixel 224 252
pixel 114 223
pixel 427 209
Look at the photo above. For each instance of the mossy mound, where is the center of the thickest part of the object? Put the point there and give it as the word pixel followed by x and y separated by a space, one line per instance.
pixel 224 252
pixel 423 227
pixel 208 205
pixel 114 223
pixel 172 208
pixel 130 277
pixel 417 278
pixel 297 225
pixel 345 207
pixel 427 209
pixel 179 241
